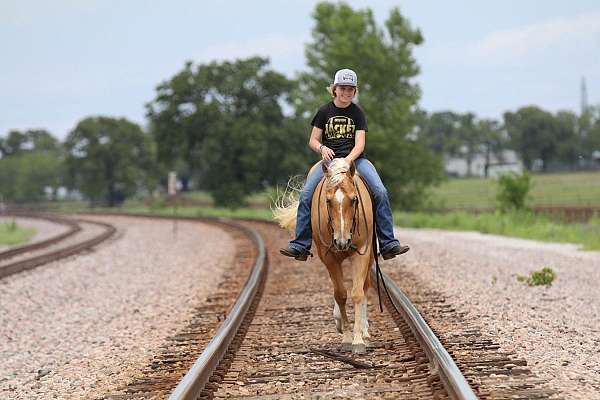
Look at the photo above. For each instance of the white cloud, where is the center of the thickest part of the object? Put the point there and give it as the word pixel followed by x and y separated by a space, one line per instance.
pixel 522 41
pixel 513 45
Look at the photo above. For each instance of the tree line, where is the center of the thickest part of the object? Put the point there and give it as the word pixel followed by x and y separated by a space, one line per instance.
pixel 543 141
pixel 237 127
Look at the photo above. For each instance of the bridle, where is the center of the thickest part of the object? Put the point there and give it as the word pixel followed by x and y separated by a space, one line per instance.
pixel 355 225
pixel 355 220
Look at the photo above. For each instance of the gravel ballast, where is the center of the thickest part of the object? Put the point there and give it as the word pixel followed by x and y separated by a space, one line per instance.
pixel 83 326
pixel 556 329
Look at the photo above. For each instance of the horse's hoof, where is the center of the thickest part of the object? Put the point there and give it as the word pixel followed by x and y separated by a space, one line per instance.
pixel 359 348
pixel 338 326
pixel 347 347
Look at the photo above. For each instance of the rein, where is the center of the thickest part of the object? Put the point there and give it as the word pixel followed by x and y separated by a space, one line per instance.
pixel 378 272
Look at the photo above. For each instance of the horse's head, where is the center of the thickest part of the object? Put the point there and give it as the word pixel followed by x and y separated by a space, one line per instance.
pixel 342 201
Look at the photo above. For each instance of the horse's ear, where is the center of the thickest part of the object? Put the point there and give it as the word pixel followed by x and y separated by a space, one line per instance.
pixel 352 168
pixel 324 167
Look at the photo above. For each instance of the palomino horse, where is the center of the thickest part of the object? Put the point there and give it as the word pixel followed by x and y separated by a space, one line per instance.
pixel 342 229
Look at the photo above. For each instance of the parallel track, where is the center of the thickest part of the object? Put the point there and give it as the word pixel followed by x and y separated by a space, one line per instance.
pixel 23 264
pixel 73 229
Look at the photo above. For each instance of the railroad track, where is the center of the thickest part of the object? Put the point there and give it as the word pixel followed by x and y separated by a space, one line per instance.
pixel 287 344
pixel 291 348
pixel 73 228
pixel 27 257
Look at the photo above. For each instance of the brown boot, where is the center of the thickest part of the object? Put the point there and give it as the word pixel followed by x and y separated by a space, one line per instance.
pixel 300 255
pixel 394 251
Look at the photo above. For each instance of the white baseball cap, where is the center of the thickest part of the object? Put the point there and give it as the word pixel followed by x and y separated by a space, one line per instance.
pixel 345 77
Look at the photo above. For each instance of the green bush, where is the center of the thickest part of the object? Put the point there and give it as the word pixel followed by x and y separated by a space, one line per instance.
pixel 513 191
pixel 544 277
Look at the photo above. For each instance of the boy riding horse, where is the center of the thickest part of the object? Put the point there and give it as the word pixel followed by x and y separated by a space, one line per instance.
pixel 338 131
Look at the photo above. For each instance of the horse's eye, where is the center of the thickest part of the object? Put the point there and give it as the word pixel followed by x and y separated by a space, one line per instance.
pixel 328 200
pixel 354 200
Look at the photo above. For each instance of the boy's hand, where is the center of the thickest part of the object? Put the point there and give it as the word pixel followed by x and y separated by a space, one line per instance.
pixel 327 153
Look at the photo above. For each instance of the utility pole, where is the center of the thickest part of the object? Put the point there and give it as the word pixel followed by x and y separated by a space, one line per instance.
pixel 584 99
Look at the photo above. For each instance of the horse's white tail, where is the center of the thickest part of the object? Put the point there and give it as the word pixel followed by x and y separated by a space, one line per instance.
pixel 285 206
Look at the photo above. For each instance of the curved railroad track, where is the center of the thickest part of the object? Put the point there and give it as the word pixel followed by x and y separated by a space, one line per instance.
pixel 287 345
pixel 283 343
pixel 75 240
pixel 73 228
pixel 291 348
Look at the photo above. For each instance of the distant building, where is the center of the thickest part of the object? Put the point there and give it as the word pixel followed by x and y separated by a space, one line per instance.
pixel 596 158
pixel 508 162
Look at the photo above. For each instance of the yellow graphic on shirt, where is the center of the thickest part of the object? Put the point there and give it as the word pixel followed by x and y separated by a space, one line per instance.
pixel 340 127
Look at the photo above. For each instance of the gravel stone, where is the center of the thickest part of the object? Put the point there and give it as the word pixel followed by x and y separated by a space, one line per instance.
pixel 555 329
pixel 85 325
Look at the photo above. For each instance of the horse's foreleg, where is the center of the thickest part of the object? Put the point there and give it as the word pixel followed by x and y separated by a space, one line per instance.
pixel 365 329
pixel 339 308
pixel 360 269
pixel 365 321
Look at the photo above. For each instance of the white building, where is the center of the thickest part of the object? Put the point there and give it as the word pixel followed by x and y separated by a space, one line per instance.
pixel 508 162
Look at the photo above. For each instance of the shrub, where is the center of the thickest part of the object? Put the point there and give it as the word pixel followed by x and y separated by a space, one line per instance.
pixel 513 191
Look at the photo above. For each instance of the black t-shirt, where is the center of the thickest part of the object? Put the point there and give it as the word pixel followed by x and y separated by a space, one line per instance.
pixel 339 126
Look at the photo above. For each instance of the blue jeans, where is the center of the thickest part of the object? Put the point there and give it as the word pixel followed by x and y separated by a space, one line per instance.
pixel 383 211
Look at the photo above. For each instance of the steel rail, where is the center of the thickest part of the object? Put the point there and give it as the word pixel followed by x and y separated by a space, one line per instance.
pixel 454 381
pixel 192 384
pixel 73 229
pixel 33 262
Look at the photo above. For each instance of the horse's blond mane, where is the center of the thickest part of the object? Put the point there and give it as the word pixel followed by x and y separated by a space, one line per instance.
pixel 337 170
pixel 285 206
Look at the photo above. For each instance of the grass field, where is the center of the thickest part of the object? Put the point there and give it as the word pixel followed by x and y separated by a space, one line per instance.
pixel 519 224
pixel 569 189
pixel 12 234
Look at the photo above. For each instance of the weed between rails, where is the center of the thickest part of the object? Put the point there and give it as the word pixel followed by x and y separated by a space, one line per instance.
pixel 544 277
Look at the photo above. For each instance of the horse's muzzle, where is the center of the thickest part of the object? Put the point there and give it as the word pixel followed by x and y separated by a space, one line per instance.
pixel 342 244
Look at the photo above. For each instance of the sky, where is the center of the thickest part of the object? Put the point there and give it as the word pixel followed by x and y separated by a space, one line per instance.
pixel 64 60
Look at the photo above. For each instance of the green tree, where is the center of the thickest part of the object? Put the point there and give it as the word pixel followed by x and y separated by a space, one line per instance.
pixel 109 159
pixel 382 57
pixel 589 134
pixel 31 166
pixel 470 139
pixel 531 133
pixel 13 143
pixel 493 139
pixel 440 130
pixel 568 141
pixel 26 177
pixel 30 140
pixel 225 120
